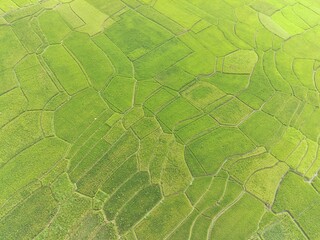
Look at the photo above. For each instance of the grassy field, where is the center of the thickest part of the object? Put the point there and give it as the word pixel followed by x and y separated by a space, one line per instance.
pixel 159 119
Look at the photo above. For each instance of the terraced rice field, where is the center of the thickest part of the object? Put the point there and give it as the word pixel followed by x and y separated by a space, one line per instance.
pixel 159 119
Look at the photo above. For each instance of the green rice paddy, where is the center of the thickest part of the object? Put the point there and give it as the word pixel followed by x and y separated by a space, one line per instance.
pixel 159 119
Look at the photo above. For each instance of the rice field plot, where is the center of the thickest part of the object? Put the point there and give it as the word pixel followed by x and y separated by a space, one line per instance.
pixel 159 119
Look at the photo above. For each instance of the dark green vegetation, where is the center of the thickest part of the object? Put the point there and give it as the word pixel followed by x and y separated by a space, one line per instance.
pixel 159 119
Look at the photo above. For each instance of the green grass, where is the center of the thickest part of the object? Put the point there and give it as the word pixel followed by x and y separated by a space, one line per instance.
pixel 53 34
pixel 137 207
pixel 93 60
pixel 124 193
pixel 229 83
pixel 11 50
pixel 264 182
pixel 92 17
pixel 118 59
pixel 146 38
pixel 88 226
pixel 219 144
pixel 240 220
pixel 232 112
pixel 27 36
pixel 14 225
pixel 302 205
pixel 176 112
pixel 240 62
pixel 164 218
pixel 262 128
pixel 29 72
pixel 24 169
pixel 159 119
pixel 8 113
pixel 121 100
pixel 157 100
pixel 202 94
pixel 67 116
pixel 196 189
pixel 281 227
pixel 192 129
pixel 125 171
pixel 107 164
pixel 66 69
pixel 19 134
pixel 167 54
